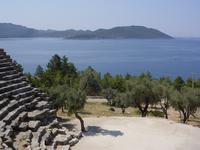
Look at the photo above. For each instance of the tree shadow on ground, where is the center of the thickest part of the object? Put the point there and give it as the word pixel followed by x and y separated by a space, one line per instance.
pixel 95 131
pixel 69 126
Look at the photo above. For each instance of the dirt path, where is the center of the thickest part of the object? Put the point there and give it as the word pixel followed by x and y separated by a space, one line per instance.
pixel 128 133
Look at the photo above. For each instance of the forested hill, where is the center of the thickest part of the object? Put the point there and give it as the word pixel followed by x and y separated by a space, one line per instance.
pixel 8 30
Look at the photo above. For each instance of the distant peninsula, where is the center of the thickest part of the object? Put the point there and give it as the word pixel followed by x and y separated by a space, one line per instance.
pixel 9 30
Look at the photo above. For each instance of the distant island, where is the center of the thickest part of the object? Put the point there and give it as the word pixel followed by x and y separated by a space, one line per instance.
pixel 9 30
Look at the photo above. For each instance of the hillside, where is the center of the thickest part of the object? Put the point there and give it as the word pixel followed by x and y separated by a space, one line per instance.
pixel 8 30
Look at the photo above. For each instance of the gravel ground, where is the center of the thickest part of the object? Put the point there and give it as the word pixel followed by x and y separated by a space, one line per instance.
pixel 128 133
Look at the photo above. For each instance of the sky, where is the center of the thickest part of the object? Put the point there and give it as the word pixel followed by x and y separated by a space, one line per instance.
pixel 179 18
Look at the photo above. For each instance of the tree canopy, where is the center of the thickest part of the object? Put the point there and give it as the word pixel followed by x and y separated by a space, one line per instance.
pixel 69 87
pixel 186 101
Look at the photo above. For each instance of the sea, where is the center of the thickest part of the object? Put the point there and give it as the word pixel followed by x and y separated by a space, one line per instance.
pixel 161 57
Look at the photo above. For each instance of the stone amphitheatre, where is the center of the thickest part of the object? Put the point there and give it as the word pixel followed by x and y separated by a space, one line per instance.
pixel 26 121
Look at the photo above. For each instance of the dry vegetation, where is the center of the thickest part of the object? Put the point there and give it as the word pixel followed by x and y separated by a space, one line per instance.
pixel 96 109
pixel 101 109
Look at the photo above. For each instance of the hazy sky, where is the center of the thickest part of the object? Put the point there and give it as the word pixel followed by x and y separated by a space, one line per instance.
pixel 179 18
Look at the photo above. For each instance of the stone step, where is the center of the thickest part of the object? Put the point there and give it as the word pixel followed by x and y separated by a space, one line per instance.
pixel 23 140
pixel 3 102
pixel 37 137
pixel 13 81
pixel 46 139
pixel 17 93
pixel 23 126
pixel 54 123
pixel 3 83
pixel 13 105
pixel 34 125
pixel 4 56
pixel 5 60
pixel 2 127
pixel 73 141
pixel 51 123
pixel 12 87
pixel 21 90
pixel 1 144
pixel 52 112
pixel 12 76
pixel 4 64
pixel 38 114
pixel 25 94
pixel 55 132
pixel 2 52
pixel 5 110
pixel 2 74
pixel 16 122
pixel 41 105
pixel 13 114
pixel 54 139
pixel 7 68
pixel 33 103
pixel 7 133
pixel 61 139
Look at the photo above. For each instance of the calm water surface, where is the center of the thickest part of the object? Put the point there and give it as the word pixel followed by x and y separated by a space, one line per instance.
pixel 160 57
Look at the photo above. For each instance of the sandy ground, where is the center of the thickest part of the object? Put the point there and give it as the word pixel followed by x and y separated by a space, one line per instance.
pixel 129 133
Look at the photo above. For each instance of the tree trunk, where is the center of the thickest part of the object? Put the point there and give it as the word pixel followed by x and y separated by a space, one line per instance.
pixel 62 108
pixel 165 112
pixel 180 116
pixel 123 109
pixel 144 113
pixel 164 109
pixel 184 117
pixel 166 115
pixel 81 122
pixel 143 110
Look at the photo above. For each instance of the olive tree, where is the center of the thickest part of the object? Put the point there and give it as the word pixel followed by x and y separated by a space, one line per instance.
pixel 163 93
pixel 109 94
pixel 90 82
pixel 70 99
pixel 186 102
pixel 58 96
pixel 178 83
pixel 122 100
pixel 75 101
pixel 143 95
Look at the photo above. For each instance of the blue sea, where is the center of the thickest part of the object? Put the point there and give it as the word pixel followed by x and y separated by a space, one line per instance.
pixel 164 57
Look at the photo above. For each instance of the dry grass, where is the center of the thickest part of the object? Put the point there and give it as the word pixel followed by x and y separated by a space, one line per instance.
pixel 96 109
pixel 101 109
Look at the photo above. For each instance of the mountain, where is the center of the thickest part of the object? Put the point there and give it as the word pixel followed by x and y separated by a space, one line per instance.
pixel 8 30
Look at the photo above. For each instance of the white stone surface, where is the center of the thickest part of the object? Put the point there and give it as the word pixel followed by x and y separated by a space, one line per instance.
pixel 128 133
